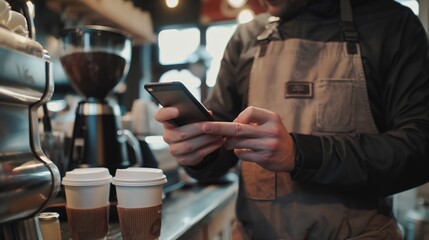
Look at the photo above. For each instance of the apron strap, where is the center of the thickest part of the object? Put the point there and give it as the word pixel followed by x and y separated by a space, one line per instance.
pixel 350 35
pixel 270 29
pixel 265 37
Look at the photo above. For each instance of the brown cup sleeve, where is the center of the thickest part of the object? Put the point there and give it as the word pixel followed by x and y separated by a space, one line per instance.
pixel 140 223
pixel 88 223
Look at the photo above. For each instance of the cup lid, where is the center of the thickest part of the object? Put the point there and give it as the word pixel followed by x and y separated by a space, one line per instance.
pixel 138 176
pixel 87 177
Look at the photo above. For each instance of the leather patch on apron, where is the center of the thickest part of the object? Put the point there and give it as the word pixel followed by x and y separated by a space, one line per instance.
pixel 299 90
pixel 260 184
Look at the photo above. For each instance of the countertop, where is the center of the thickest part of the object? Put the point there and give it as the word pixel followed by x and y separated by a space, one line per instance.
pixel 186 207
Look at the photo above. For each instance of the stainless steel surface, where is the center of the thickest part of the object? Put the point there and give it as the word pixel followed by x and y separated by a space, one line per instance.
pixel 28 179
pixel 97 28
pixel 186 208
pixel 88 109
pixel 417 221
pixel 135 145
pixel 27 229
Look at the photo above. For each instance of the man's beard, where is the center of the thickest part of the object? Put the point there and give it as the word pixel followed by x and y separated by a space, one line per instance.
pixel 288 10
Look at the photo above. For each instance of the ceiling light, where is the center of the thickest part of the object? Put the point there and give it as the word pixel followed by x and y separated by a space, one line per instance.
pixel 245 15
pixel 236 3
pixel 172 3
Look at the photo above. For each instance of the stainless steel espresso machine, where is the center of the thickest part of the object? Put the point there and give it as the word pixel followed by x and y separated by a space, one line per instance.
pixel 28 179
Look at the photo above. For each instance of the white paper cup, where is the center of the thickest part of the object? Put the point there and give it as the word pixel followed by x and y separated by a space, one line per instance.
pixel 87 202
pixel 139 187
pixel 87 187
pixel 139 194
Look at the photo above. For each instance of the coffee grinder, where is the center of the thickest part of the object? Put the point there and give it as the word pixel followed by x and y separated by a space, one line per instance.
pixel 96 59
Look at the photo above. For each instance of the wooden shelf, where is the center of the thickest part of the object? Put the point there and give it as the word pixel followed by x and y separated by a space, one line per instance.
pixel 121 14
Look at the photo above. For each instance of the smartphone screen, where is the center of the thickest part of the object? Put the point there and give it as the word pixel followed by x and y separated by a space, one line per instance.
pixel 175 94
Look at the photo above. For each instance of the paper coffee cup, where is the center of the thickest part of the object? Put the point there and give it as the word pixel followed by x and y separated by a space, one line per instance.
pixel 139 194
pixel 139 187
pixel 87 187
pixel 87 202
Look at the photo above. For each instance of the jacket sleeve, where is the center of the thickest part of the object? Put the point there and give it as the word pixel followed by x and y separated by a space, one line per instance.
pixel 229 96
pixel 397 158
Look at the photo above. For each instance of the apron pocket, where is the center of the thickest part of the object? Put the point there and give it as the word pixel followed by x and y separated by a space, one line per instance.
pixel 335 105
pixel 259 183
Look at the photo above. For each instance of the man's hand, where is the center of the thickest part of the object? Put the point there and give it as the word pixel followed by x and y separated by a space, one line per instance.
pixel 188 143
pixel 257 135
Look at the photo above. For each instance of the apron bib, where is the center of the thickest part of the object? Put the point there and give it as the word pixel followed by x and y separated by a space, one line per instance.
pixel 317 88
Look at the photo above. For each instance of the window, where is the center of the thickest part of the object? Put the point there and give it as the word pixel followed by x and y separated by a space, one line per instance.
pixel 177 45
pixel 217 38
pixel 186 77
pixel 184 57
pixel 412 4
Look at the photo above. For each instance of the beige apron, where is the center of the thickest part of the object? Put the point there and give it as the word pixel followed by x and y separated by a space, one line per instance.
pixel 317 88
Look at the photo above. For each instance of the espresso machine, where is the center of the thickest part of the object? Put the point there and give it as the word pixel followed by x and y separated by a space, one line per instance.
pixel 28 179
pixel 96 59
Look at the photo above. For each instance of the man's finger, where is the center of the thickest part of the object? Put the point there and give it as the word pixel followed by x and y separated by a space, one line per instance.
pixel 166 114
pixel 230 129
pixel 254 115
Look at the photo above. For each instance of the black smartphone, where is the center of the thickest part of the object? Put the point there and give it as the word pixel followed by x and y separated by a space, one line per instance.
pixel 175 94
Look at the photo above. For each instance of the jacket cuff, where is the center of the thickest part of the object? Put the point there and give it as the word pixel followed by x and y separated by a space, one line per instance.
pixel 308 158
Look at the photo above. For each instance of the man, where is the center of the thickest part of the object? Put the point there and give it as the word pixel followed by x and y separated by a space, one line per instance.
pixel 327 109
